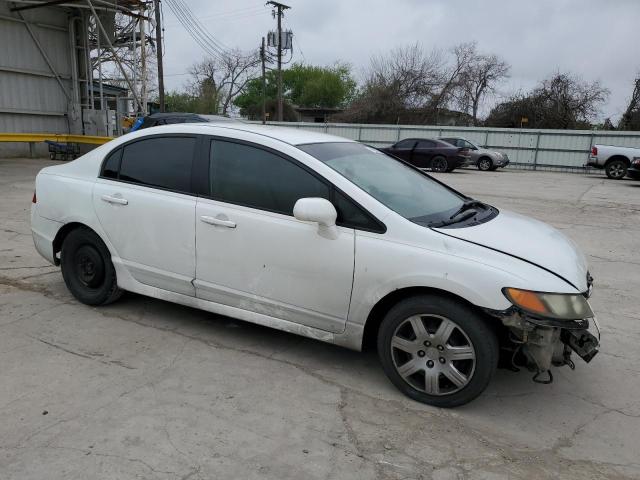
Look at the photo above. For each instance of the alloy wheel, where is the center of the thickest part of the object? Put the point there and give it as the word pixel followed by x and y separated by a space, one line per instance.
pixel 433 354
pixel 484 164
pixel 617 170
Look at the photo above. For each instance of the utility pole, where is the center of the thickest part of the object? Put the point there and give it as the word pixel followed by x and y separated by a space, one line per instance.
pixel 264 83
pixel 143 55
pixel 156 6
pixel 280 8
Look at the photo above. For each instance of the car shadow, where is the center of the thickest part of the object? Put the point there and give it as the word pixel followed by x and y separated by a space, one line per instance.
pixel 359 371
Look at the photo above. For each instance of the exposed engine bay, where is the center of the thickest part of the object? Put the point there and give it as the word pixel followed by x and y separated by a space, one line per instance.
pixel 538 344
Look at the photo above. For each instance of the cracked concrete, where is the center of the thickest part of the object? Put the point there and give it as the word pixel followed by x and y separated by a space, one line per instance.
pixel 147 389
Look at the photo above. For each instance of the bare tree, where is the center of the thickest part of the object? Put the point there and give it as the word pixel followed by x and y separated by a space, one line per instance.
pixel 409 73
pixel 569 100
pixel 562 101
pixel 464 55
pixel 480 78
pixel 631 117
pixel 222 78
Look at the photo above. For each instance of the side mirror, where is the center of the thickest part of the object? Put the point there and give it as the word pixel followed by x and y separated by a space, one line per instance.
pixel 320 211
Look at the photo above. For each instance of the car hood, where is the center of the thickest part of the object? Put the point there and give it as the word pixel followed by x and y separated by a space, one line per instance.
pixel 530 240
pixel 488 152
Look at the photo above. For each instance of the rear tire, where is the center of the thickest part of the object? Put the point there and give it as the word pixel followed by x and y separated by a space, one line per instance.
pixel 437 350
pixel 616 169
pixel 87 269
pixel 439 164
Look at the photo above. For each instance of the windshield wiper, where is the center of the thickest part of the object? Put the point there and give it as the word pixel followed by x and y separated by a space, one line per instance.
pixel 466 206
pixel 460 217
pixel 463 213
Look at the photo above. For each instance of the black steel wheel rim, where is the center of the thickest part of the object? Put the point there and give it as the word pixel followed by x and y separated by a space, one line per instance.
pixel 89 266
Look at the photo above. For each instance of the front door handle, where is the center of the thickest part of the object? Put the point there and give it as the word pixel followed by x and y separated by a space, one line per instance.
pixel 218 221
pixel 118 200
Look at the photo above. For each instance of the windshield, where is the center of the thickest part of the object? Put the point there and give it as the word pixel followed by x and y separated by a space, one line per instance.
pixel 401 188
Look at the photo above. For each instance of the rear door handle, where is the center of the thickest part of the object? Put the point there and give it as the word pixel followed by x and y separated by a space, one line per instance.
pixel 118 200
pixel 218 221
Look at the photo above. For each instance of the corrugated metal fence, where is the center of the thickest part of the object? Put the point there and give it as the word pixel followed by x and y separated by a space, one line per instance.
pixel 527 148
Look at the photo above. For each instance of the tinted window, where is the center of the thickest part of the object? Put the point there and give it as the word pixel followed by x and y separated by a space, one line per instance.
pixel 112 164
pixel 426 144
pixel 163 162
pixel 405 144
pixel 254 177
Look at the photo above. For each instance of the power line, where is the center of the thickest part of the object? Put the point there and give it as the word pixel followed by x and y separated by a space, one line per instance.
pixel 211 47
pixel 201 27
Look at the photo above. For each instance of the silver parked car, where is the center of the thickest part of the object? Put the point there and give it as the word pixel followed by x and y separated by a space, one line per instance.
pixel 482 157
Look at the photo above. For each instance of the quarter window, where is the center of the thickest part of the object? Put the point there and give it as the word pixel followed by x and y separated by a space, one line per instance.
pixel 112 164
pixel 351 215
pixel 246 175
pixel 163 162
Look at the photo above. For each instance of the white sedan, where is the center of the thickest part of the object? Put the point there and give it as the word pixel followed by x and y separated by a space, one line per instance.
pixel 323 237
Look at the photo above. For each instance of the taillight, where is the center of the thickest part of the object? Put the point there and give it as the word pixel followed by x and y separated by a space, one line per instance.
pixel 594 151
pixel 34 199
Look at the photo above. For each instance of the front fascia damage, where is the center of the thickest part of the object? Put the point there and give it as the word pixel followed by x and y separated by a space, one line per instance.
pixel 547 342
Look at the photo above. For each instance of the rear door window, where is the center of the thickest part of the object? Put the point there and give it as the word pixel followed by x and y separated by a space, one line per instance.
pixel 405 144
pixel 163 162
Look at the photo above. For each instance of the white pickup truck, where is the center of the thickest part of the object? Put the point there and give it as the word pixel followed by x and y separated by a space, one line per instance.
pixel 616 161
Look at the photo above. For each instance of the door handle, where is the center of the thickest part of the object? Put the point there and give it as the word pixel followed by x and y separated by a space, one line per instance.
pixel 218 221
pixel 118 200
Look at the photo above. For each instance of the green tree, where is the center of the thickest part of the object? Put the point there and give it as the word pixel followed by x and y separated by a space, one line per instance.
pixel 180 102
pixel 303 85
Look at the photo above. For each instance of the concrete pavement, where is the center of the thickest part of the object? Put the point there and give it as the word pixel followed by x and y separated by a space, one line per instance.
pixel 147 389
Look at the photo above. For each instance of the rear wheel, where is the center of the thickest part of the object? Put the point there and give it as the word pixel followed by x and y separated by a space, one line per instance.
pixel 484 164
pixel 616 169
pixel 87 268
pixel 439 164
pixel 437 351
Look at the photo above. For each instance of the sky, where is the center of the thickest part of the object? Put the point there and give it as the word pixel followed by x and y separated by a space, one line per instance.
pixel 593 39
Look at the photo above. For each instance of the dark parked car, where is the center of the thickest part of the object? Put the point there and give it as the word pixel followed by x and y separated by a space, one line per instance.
pixel 156 119
pixel 437 155
pixel 634 169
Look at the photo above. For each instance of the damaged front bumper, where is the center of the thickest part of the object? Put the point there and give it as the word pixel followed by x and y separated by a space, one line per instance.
pixel 540 343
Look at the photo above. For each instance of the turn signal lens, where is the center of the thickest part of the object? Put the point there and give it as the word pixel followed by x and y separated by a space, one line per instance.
pixel 526 300
pixel 551 305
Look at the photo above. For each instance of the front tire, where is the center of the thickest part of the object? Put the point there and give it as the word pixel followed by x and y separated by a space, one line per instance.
pixel 437 351
pixel 87 268
pixel 485 164
pixel 616 169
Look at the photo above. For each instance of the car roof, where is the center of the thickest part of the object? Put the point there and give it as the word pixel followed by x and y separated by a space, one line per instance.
pixel 437 140
pixel 292 136
pixel 172 115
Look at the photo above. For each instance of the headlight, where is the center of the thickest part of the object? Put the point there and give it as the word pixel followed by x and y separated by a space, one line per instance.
pixel 550 305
